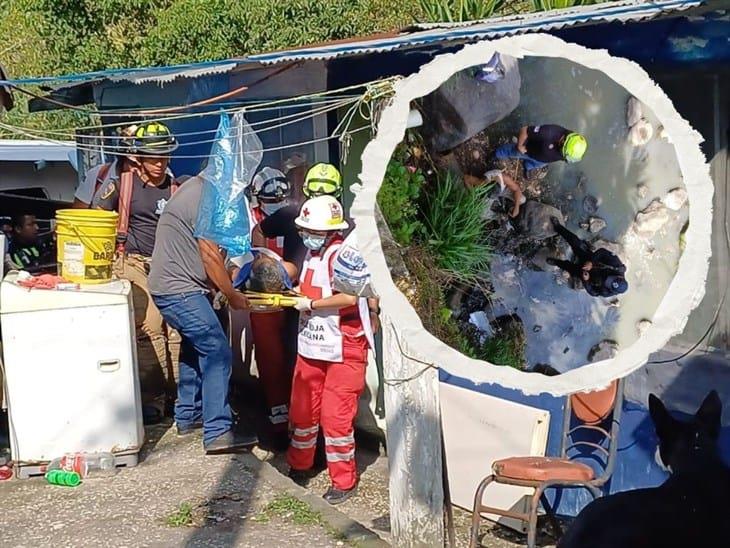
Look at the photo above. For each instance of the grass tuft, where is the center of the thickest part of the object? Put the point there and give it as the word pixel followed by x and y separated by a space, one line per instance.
pixel 182 516
pixel 291 509
pixel 454 229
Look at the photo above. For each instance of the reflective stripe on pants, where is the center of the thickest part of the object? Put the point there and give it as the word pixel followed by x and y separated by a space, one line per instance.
pixel 274 367
pixel 327 393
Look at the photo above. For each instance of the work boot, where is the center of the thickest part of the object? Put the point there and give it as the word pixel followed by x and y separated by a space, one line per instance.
pixel 337 496
pixel 231 442
pixel 184 430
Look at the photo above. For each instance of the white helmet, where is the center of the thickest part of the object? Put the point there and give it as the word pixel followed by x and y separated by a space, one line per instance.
pixel 321 213
pixel 271 184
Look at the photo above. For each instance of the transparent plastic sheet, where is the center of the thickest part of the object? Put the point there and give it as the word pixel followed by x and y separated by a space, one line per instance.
pixel 223 212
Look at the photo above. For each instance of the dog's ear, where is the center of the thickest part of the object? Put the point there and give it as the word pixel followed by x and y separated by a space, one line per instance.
pixel 663 421
pixel 710 412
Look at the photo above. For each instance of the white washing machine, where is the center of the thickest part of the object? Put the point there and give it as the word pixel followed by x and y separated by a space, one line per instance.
pixel 71 373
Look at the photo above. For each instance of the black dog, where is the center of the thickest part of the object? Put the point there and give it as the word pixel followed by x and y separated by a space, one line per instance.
pixel 690 510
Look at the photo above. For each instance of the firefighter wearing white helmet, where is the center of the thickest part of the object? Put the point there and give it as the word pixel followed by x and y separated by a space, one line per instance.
pixel 329 376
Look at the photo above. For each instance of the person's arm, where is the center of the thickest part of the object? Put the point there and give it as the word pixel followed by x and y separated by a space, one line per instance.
pixel 604 257
pixel 84 194
pixel 215 269
pixel 514 187
pixel 522 140
pixel 335 302
pixel 107 197
pixel 257 237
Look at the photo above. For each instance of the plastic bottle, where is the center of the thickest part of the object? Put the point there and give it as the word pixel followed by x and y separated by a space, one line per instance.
pixel 70 462
pixel 83 463
pixel 63 477
pixel 99 461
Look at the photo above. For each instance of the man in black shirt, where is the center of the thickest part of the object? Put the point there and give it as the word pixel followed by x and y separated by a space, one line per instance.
pixel 27 251
pixel 601 272
pixel 541 145
pixel 139 193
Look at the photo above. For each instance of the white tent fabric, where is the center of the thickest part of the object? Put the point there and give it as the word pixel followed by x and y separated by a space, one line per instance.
pixel 685 291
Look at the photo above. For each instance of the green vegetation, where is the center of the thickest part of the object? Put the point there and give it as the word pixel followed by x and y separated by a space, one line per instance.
pixel 182 516
pixel 429 300
pixel 459 10
pixel 506 347
pixel 454 228
pixel 398 197
pixel 291 509
pixel 545 5
pixel 56 37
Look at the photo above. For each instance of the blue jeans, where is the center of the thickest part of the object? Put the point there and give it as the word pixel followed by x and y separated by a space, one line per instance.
pixel 509 150
pixel 205 363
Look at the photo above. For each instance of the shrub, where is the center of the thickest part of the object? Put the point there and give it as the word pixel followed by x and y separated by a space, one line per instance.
pixel 545 5
pixel 505 348
pixel 398 198
pixel 453 228
pixel 437 11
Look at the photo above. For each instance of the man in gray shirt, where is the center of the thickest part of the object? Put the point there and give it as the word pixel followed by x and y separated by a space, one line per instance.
pixel 182 272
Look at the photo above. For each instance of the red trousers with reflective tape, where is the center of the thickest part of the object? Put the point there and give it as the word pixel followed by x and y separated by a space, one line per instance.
pixel 271 360
pixel 326 394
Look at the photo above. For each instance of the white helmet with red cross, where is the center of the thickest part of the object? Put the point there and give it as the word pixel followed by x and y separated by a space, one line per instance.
pixel 322 213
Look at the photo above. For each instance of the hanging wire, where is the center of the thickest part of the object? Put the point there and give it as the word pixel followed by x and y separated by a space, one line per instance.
pixel 245 108
pixel 396 382
pixel 336 103
pixel 199 156
pixel 290 119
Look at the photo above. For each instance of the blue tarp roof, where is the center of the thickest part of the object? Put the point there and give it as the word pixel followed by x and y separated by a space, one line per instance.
pixel 622 11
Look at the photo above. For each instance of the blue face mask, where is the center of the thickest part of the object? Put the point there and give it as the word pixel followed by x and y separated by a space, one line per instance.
pixel 271 208
pixel 313 242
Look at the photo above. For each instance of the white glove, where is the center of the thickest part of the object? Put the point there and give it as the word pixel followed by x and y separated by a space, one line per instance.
pixel 303 304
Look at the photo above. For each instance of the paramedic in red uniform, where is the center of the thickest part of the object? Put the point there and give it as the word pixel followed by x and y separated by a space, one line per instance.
pixel 271 191
pixel 332 355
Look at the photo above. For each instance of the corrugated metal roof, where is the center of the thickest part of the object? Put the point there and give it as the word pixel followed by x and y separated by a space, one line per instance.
pixel 629 10
pixel 626 10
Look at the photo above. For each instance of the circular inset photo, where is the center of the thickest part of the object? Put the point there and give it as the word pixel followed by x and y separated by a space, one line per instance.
pixel 544 214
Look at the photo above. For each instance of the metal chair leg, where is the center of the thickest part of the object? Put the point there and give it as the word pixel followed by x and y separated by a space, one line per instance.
pixel 476 515
pixel 557 530
pixel 532 523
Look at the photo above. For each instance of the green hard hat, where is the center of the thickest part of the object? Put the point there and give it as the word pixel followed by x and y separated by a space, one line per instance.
pixel 574 147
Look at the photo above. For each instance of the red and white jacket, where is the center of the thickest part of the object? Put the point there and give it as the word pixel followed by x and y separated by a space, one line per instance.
pixel 321 332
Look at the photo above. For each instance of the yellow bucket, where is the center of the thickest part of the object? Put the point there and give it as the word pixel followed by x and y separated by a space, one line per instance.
pixel 86 240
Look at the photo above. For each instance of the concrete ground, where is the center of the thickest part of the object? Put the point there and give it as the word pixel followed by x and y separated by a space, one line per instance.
pixel 175 497
pixel 178 497
pixel 371 506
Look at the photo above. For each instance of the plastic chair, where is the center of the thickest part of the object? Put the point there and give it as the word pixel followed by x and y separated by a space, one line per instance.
pixel 590 409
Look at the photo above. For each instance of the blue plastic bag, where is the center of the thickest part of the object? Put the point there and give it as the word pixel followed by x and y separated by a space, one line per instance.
pixel 223 213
